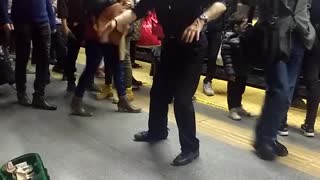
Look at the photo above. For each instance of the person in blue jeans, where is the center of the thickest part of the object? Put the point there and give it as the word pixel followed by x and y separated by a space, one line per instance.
pixel 292 35
pixel 95 52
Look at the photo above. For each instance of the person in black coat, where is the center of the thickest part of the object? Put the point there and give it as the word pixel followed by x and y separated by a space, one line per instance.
pixel 235 65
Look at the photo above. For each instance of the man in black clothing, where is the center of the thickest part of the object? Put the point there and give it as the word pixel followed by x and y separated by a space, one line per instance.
pixel 33 21
pixel 178 74
pixel 72 14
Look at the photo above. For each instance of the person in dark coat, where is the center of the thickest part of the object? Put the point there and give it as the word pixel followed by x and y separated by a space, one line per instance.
pixel 32 20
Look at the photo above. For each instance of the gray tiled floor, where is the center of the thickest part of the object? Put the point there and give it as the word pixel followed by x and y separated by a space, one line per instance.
pixel 101 147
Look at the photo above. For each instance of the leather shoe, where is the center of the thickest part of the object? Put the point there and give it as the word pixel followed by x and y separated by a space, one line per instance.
pixel 145 136
pixel 39 102
pixel 23 99
pixel 265 151
pixel 280 149
pixel 185 158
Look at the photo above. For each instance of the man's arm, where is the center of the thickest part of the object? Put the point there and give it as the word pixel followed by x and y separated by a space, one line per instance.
pixel 192 33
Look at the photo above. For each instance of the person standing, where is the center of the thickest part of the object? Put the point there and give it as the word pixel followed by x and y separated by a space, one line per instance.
pixel 178 74
pixel 214 35
pixel 292 33
pixel 32 21
pixel 72 14
pixel 311 75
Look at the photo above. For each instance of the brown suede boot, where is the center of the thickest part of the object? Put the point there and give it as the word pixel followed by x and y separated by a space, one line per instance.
pixel 77 108
pixel 125 106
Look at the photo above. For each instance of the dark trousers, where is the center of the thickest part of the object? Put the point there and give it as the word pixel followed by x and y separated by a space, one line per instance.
pixel 58 49
pixel 235 91
pixel 95 52
pixel 280 78
pixel 214 43
pixel 311 76
pixel 177 77
pixel 40 35
pixel 73 46
pixel 133 49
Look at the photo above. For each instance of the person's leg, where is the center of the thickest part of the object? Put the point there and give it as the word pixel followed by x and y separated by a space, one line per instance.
pixel 74 44
pixel 112 55
pixel 273 111
pixel 214 43
pixel 293 71
pixel 187 62
pixel 235 91
pixel 61 51
pixel 311 76
pixel 160 97
pixel 106 90
pixel 133 49
pixel 23 41
pixel 94 53
pixel 41 38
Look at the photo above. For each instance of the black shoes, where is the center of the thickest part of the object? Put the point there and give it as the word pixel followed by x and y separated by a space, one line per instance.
pixel 185 158
pixel 145 136
pixel 307 130
pixel 269 151
pixel 39 102
pixel 23 99
pixel 57 69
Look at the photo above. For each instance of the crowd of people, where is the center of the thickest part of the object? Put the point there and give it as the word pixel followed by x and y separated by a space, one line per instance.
pixel 285 35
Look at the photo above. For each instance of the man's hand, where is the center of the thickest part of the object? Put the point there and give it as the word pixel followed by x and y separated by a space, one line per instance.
pixel 8 27
pixel 66 30
pixel 192 33
pixel 104 31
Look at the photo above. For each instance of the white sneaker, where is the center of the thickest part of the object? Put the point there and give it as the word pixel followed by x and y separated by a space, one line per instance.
pixel 233 114
pixel 207 89
pixel 243 112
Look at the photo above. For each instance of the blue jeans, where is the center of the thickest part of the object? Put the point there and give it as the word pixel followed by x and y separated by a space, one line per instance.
pixel 281 79
pixel 95 52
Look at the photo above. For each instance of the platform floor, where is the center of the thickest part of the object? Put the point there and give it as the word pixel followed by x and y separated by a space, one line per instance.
pixel 101 148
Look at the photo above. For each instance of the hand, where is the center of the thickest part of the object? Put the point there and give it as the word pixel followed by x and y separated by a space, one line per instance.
pixel 104 32
pixel 192 33
pixel 128 4
pixel 66 30
pixel 8 27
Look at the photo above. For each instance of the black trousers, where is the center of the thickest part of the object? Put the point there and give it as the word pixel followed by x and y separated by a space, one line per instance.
pixel 74 44
pixel 58 49
pixel 235 91
pixel 214 43
pixel 177 77
pixel 40 35
pixel 311 76
pixel 133 49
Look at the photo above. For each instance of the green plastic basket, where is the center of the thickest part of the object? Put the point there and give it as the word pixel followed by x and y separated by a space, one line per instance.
pixel 33 159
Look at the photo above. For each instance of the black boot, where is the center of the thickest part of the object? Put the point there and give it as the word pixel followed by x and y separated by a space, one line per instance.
pixel 125 106
pixel 39 102
pixel 77 108
pixel 23 99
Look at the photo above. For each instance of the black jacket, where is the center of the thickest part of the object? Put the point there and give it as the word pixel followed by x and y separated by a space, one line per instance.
pixel 72 10
pixel 234 60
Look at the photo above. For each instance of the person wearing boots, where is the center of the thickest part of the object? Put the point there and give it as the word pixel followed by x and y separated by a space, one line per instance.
pixel 95 51
pixel 178 74
pixel 32 21
pixel 291 35
pixel 106 91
